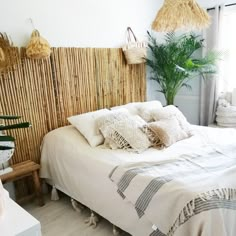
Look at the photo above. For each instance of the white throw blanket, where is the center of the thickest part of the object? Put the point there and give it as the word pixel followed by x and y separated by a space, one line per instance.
pixel 172 194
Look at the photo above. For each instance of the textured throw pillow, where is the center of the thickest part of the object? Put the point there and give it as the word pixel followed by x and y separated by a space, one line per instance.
pixel 131 107
pixel 172 112
pixel 121 130
pixel 153 138
pixel 112 140
pixel 87 125
pixel 146 109
pixel 143 109
pixel 166 132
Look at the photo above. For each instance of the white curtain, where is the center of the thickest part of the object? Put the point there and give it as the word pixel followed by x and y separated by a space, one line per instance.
pixel 210 86
pixel 228 47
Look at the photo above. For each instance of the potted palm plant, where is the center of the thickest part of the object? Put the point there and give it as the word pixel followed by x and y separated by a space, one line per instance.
pixel 7 142
pixel 174 62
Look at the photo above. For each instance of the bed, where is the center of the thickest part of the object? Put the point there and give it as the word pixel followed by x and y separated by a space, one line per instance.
pixel 84 173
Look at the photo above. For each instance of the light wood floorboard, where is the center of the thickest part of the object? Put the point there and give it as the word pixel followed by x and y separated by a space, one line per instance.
pixel 58 218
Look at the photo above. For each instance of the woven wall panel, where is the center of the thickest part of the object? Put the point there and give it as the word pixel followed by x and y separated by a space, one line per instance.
pixel 71 81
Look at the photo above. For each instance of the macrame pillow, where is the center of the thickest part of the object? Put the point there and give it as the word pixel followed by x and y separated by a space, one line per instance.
pixel 121 130
pixel 169 112
pixel 164 133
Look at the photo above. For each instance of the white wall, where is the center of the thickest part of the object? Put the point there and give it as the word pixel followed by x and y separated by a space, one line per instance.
pixel 81 23
pixel 89 23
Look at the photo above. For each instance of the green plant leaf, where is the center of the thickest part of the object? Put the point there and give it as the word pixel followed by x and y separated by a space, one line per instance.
pixel 5 117
pixel 2 148
pixel 15 126
pixel 7 139
pixel 176 60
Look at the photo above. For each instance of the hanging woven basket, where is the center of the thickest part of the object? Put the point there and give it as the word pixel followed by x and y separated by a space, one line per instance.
pixel 179 14
pixel 135 51
pixel 2 55
pixel 9 55
pixel 38 47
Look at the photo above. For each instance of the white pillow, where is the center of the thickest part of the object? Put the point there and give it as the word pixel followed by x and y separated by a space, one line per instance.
pixel 167 132
pixel 106 121
pixel 145 109
pixel 122 130
pixel 169 112
pixel 87 125
pixel 132 107
pixel 140 108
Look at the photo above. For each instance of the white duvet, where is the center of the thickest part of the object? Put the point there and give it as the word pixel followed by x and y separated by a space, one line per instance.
pixel 82 172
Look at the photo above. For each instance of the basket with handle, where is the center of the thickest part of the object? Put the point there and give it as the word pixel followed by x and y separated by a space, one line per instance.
pixel 135 51
pixel 38 47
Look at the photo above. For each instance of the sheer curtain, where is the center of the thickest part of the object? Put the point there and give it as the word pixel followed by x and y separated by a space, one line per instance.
pixel 227 71
pixel 210 86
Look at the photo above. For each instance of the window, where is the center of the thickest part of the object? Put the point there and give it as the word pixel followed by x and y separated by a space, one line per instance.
pixel 227 45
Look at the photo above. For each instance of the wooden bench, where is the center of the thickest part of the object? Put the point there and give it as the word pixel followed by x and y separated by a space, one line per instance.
pixel 24 169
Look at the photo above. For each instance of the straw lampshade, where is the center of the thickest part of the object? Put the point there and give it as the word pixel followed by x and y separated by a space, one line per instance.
pixel 179 14
pixel 38 47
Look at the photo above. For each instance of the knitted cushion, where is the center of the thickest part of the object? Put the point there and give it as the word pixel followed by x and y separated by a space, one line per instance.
pixel 121 130
pixel 172 112
pixel 166 132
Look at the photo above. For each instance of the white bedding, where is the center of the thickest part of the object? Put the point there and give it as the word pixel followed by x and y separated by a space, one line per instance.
pixel 82 172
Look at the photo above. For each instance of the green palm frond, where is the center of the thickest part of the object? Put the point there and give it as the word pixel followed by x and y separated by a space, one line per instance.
pixel 177 60
pixel 16 126
pixel 6 139
pixel 9 117
pixel 3 148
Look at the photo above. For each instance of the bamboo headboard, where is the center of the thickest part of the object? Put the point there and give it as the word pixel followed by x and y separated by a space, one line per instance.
pixel 71 81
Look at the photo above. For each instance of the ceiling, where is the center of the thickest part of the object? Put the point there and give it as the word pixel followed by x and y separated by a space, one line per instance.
pixel 212 3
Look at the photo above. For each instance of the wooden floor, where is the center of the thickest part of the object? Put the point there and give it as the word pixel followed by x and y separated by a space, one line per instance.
pixel 58 218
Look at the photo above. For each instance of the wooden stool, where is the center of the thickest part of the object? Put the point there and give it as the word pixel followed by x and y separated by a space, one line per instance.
pixel 24 169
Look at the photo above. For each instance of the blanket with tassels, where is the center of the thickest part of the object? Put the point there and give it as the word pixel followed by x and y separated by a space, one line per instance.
pixel 173 192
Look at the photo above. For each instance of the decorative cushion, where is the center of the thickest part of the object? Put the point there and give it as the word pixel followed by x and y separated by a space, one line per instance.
pixel 87 125
pixel 172 112
pixel 166 132
pixel 146 109
pixel 143 109
pixel 131 107
pixel 122 130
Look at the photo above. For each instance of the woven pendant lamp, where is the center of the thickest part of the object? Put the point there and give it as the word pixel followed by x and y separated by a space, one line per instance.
pixel 180 14
pixel 38 47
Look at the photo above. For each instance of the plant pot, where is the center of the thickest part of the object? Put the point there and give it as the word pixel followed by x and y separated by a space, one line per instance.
pixel 5 155
pixel 2 201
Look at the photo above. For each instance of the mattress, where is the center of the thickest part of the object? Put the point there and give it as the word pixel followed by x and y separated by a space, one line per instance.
pixel 82 172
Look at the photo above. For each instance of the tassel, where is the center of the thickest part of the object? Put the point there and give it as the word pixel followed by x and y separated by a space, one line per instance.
pixel 54 194
pixel 92 220
pixel 78 207
pixel 115 230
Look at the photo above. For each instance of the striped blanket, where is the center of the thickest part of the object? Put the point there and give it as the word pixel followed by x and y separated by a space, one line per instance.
pixel 173 192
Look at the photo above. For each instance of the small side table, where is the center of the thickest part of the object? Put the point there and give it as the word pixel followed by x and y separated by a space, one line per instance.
pixel 22 170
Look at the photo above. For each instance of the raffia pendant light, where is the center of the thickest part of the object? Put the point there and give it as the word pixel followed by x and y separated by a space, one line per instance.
pixel 38 47
pixel 180 14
